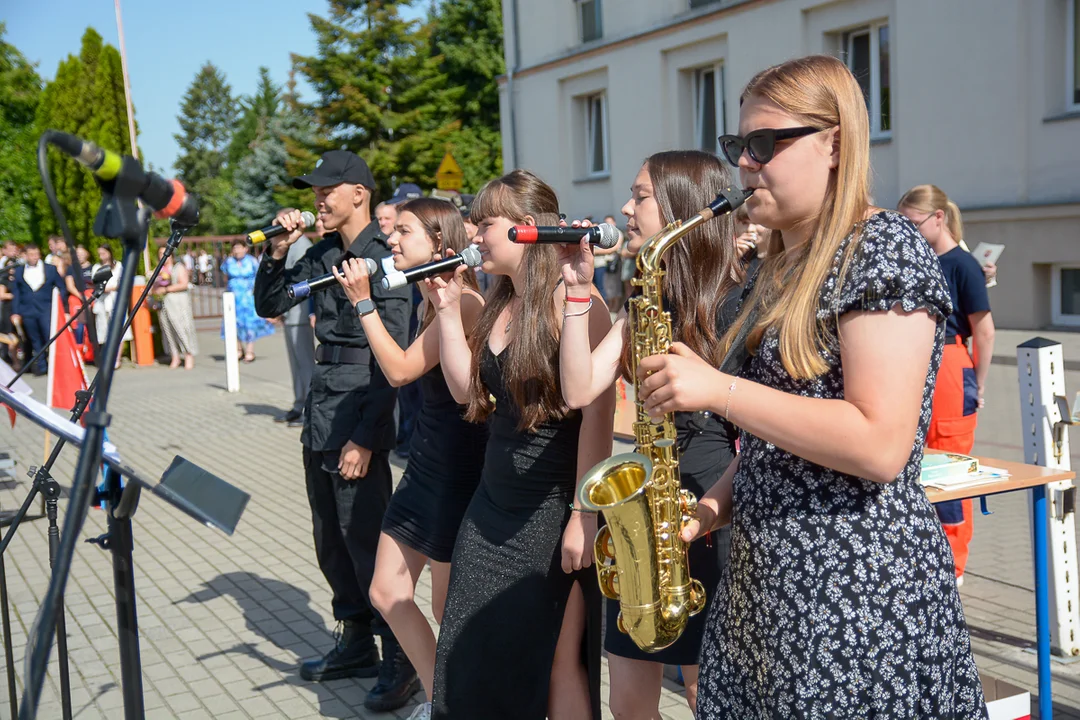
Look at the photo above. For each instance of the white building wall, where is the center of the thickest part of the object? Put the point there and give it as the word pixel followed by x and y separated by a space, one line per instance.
pixel 978 100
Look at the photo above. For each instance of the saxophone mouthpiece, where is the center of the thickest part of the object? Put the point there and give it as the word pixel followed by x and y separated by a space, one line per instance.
pixel 728 200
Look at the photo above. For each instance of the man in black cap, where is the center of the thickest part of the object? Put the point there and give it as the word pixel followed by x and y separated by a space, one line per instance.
pixel 349 419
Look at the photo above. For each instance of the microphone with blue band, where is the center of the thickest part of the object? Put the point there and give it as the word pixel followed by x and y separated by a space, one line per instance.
pixel 301 290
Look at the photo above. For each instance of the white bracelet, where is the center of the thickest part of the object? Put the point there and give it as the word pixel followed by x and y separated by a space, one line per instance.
pixel 579 313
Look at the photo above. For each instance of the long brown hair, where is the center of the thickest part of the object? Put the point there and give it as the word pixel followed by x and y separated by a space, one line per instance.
pixel 699 267
pixel 820 92
pixel 444 227
pixel 530 367
pixel 929 199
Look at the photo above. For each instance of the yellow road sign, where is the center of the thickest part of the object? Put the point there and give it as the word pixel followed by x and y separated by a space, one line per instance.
pixel 449 175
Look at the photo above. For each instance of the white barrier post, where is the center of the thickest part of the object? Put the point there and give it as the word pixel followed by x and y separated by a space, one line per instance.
pixel 1046 442
pixel 232 363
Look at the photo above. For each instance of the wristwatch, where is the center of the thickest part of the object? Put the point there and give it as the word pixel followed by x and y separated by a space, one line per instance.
pixel 365 307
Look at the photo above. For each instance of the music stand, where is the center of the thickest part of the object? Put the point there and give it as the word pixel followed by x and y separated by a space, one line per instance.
pixel 187 487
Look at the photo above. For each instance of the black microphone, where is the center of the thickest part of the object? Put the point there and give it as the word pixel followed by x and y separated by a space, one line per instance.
pixel 101 277
pixel 301 290
pixel 272 231
pixel 168 198
pixel 470 256
pixel 604 235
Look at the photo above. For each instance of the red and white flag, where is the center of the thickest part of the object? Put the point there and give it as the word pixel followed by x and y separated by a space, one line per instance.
pixel 66 371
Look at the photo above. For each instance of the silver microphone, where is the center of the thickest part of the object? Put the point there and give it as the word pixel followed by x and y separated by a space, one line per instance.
pixel 470 257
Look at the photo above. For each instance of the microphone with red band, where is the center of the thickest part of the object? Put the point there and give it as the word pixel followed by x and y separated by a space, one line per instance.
pixel 604 235
pixel 167 198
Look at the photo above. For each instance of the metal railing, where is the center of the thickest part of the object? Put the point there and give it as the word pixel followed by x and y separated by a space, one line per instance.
pixel 203 257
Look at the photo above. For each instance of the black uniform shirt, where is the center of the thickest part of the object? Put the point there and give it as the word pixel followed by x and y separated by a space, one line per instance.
pixel 350 401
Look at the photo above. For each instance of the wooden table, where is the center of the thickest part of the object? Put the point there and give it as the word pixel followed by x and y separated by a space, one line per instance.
pixel 1035 478
pixel 1021 477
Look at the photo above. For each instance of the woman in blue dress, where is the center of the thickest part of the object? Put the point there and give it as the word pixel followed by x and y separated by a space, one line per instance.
pixel 240 269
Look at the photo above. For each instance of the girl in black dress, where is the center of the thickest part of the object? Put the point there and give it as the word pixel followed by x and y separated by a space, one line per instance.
pixel 700 276
pixel 515 634
pixel 839 600
pixel 447 452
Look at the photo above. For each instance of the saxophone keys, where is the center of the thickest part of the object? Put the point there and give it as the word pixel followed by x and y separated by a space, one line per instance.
pixel 688 503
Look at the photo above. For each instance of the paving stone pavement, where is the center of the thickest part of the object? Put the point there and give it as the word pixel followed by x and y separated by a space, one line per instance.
pixel 224 621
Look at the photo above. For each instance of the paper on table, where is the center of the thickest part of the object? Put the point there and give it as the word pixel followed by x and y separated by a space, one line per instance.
pixel 987 253
pixel 985 475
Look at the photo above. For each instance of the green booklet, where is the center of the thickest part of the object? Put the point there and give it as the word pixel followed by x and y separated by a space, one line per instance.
pixel 938 466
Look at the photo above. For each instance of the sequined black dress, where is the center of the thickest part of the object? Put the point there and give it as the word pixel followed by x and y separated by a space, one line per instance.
pixel 446 456
pixel 507 593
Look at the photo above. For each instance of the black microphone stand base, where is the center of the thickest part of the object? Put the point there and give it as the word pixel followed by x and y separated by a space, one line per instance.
pixel 49 489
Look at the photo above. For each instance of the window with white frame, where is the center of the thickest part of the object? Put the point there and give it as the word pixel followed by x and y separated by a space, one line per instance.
pixel 866 52
pixel 1065 294
pixel 596 140
pixel 708 106
pixel 1072 56
pixel 592 27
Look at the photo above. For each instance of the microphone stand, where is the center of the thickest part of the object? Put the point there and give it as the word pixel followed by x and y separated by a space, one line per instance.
pixel 121 500
pixel 43 483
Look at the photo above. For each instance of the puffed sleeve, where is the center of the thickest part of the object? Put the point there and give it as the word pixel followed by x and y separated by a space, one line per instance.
pixel 892 266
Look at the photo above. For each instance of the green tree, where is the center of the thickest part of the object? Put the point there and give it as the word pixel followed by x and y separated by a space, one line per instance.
pixel 207 120
pixel 457 101
pixel 20 95
pixel 368 68
pixel 86 99
pixel 255 115
pixel 467 35
pixel 257 174
pixel 297 129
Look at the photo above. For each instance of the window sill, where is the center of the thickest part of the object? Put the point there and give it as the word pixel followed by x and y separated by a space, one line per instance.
pixel 880 140
pixel 1073 114
pixel 598 177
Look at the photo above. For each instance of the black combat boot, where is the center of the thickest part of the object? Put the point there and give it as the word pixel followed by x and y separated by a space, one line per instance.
pixel 397 679
pixel 354 655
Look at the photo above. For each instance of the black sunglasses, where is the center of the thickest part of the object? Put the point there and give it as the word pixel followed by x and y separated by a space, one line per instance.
pixel 760 144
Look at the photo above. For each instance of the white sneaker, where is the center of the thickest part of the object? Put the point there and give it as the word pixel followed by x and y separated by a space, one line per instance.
pixel 421 712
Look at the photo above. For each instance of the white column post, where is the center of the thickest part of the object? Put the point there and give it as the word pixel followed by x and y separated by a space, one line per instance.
pixel 232 363
pixel 1046 442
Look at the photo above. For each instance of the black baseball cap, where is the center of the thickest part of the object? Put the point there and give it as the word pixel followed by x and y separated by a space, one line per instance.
pixel 337 166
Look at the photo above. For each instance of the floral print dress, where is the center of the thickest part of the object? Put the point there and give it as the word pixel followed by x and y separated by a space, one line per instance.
pixel 840 599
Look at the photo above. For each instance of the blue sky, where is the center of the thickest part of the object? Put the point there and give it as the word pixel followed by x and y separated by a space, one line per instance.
pixel 166 46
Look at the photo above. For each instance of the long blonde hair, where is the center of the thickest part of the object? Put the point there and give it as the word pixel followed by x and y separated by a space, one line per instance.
pixel 820 92
pixel 930 198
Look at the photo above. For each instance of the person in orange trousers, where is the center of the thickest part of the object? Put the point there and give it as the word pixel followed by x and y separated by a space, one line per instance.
pixel 958 394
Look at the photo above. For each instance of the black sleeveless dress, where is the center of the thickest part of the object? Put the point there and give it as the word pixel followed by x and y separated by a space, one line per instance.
pixel 504 608
pixel 446 455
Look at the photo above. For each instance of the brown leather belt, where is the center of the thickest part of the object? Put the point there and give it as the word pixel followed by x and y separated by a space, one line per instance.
pixel 339 354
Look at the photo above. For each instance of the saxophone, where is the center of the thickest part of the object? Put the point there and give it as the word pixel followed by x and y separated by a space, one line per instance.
pixel 640 557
